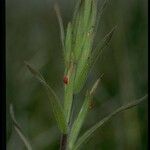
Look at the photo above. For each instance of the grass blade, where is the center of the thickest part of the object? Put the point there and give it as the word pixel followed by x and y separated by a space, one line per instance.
pixel 88 133
pixel 100 12
pixel 78 34
pixel 102 45
pixel 79 121
pixel 54 100
pixel 62 35
pixel 68 44
pixel 87 11
pixel 82 115
pixel 81 77
pixel 76 10
pixel 18 129
pixel 69 92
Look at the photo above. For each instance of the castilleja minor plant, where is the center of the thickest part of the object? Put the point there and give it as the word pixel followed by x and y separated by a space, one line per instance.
pixel 79 57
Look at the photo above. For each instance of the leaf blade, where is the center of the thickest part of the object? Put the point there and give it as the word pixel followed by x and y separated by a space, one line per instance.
pixel 68 44
pixel 54 100
pixel 68 98
pixel 18 129
pixel 82 115
pixel 88 133
pixel 60 21
pixel 79 121
pixel 102 45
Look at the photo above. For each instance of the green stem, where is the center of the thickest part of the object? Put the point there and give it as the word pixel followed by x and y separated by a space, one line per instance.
pixel 63 142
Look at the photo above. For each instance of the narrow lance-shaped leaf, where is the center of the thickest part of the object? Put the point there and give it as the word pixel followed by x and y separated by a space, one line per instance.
pixel 93 21
pixel 81 116
pixel 75 24
pixel 57 10
pixel 81 78
pixel 87 59
pixel 102 45
pixel 88 133
pixel 87 12
pixel 69 92
pixel 85 67
pixel 78 34
pixel 85 27
pixel 18 129
pixel 79 121
pixel 85 46
pixel 68 44
pixel 83 73
pixel 55 104
pixel 83 64
pixel 100 12
pixel 76 10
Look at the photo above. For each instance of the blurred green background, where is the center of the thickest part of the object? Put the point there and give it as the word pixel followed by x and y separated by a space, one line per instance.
pixel 32 34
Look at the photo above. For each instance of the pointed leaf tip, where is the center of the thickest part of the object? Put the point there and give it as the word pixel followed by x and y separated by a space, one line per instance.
pixel 89 132
pixel 18 129
pixel 55 103
pixel 95 85
pixel 61 26
pixel 109 35
pixel 33 71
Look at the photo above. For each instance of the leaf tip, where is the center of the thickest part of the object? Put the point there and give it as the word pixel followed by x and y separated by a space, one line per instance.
pixel 30 68
pixel 96 84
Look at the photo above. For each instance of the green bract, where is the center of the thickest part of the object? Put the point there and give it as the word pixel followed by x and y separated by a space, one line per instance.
pixel 79 40
pixel 55 103
pixel 84 25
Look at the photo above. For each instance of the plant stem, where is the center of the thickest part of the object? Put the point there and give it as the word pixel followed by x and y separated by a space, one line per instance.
pixel 63 142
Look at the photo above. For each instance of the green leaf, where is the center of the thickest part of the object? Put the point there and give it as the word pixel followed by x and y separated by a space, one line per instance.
pixel 68 44
pixel 100 12
pixel 84 42
pixel 77 8
pixel 68 98
pixel 57 10
pixel 81 116
pixel 78 34
pixel 79 121
pixel 83 65
pixel 102 45
pixel 18 129
pixel 87 12
pixel 81 77
pixel 94 15
pixel 83 27
pixel 35 73
pixel 54 100
pixel 88 133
